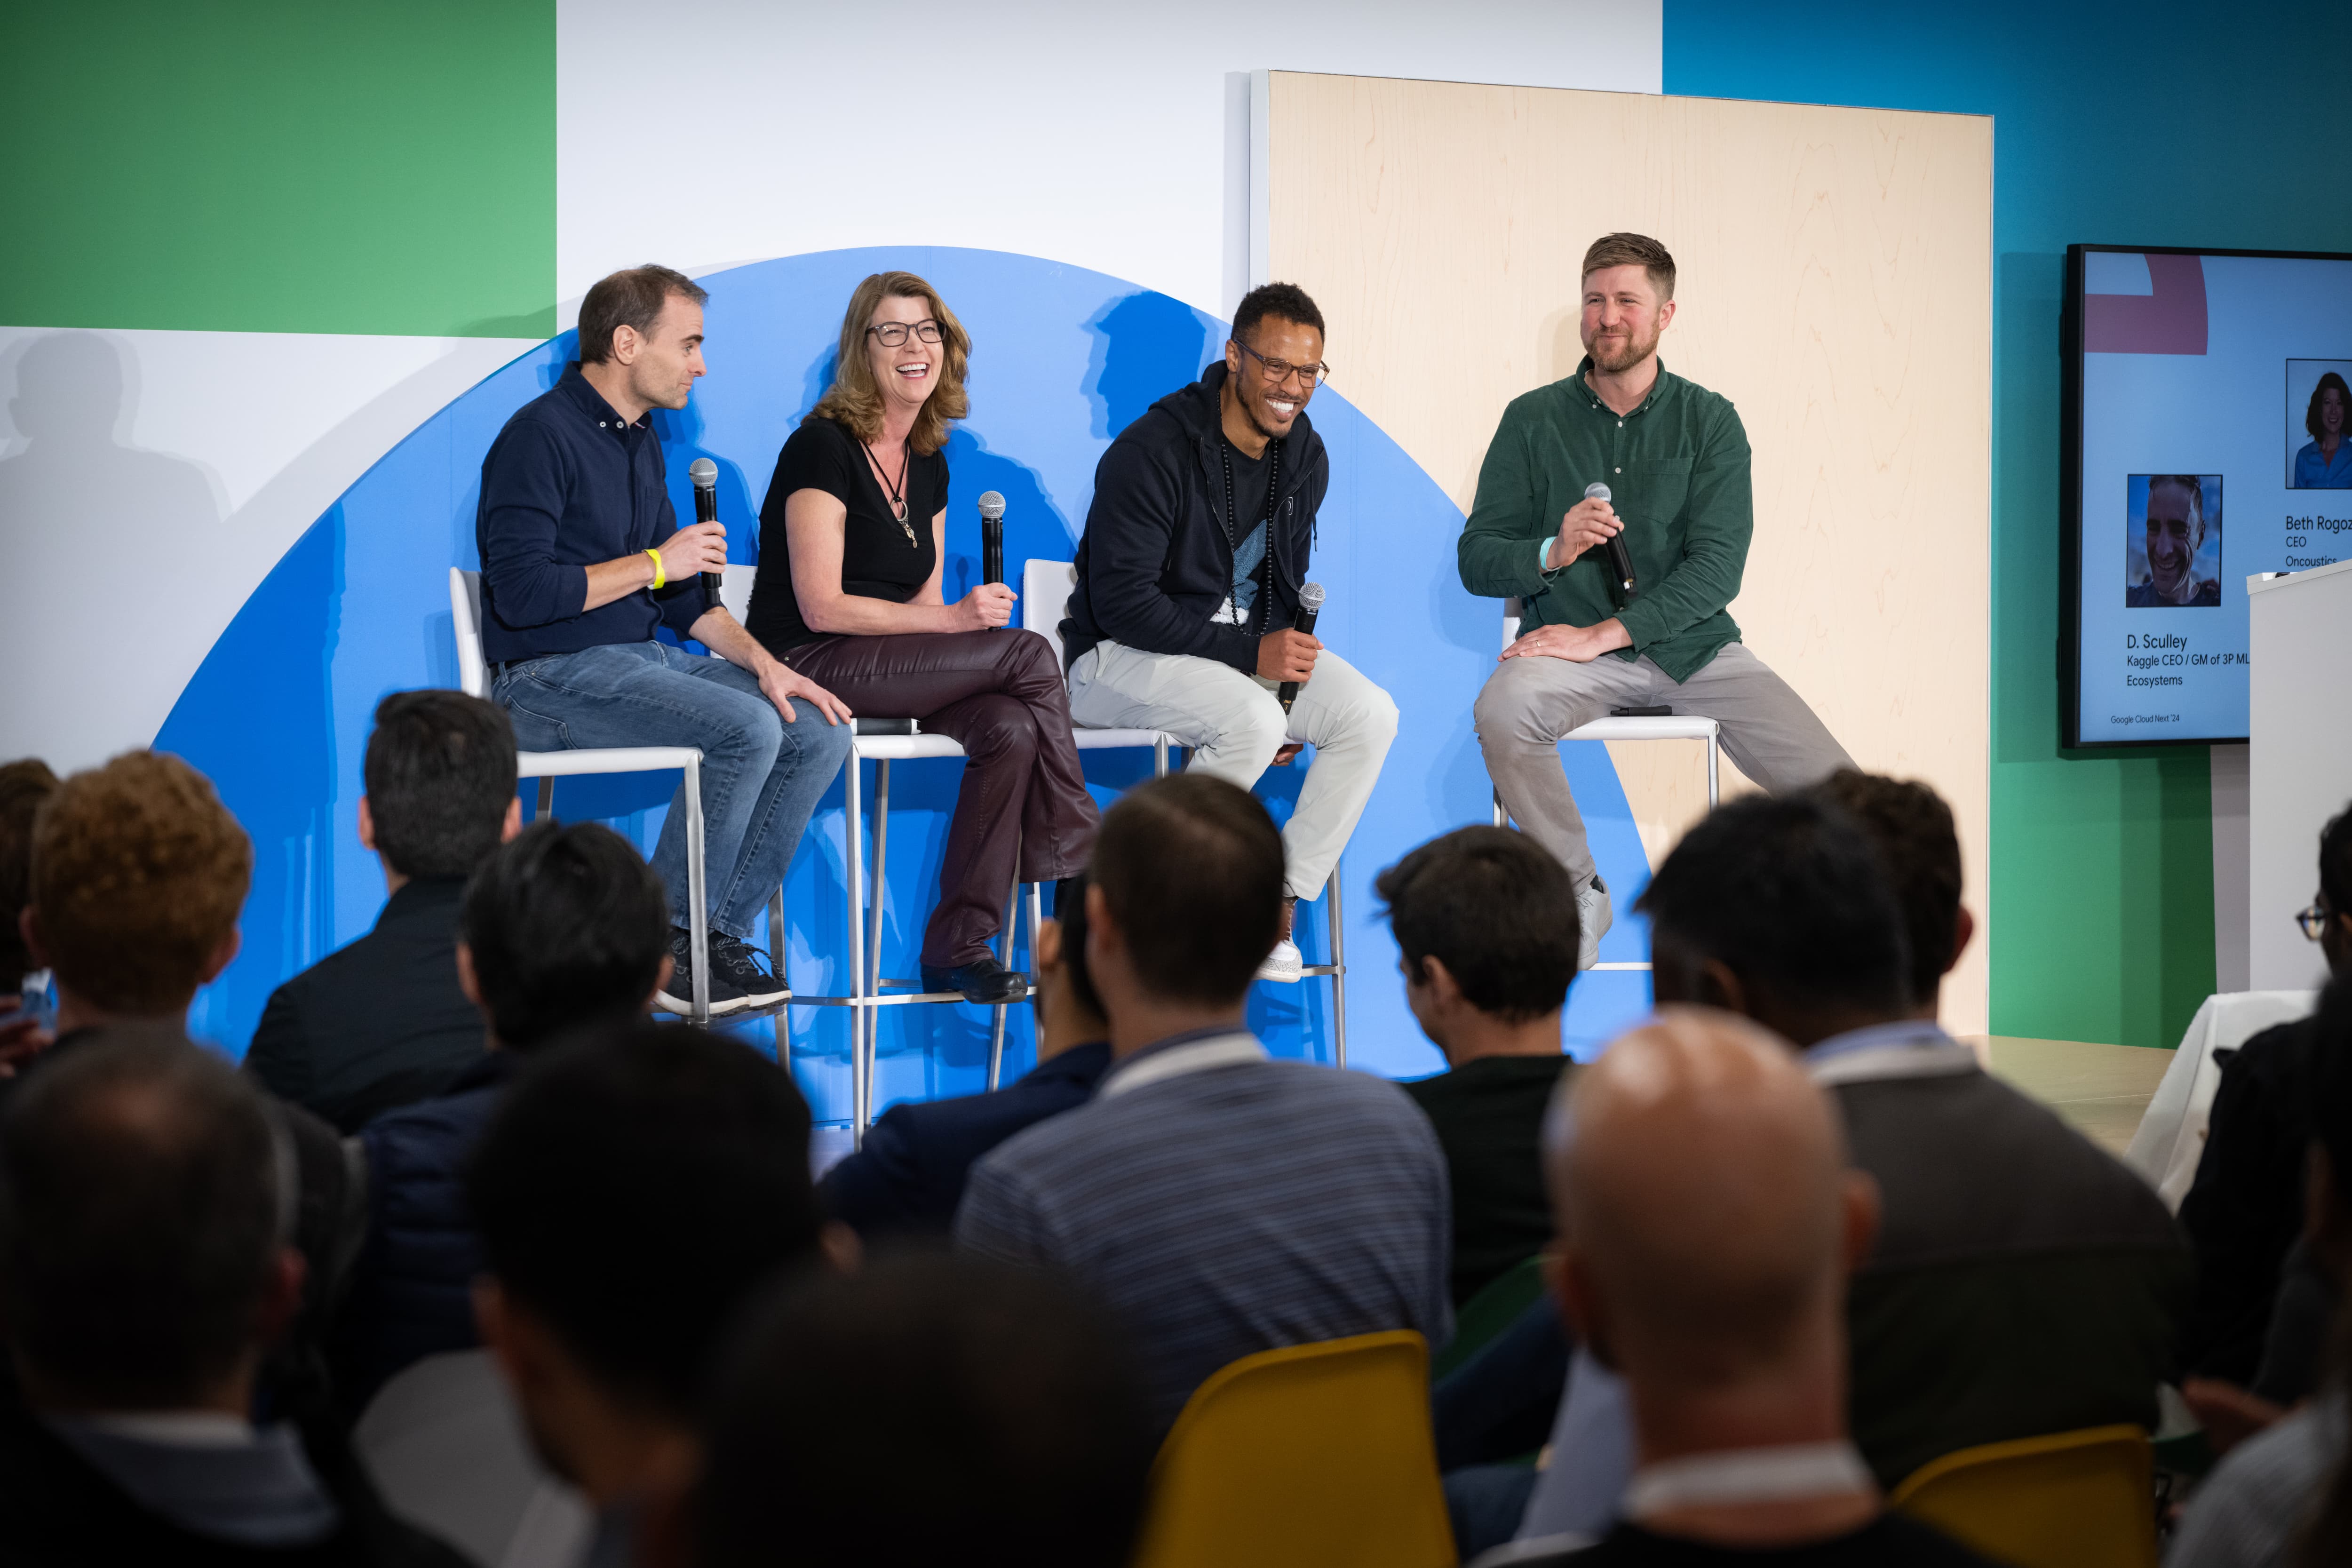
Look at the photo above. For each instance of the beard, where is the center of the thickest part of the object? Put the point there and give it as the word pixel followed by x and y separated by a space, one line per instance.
pixel 1613 354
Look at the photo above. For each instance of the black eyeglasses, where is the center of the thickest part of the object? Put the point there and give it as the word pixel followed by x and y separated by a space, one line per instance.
pixel 893 334
pixel 2313 920
pixel 1277 371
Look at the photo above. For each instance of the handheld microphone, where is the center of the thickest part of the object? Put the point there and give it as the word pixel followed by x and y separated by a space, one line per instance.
pixel 1620 566
pixel 705 475
pixel 992 537
pixel 1310 604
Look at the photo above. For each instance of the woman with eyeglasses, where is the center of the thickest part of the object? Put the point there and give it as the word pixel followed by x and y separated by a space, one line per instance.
pixel 853 538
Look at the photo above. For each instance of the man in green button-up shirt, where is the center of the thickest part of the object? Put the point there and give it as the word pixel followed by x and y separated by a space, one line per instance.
pixel 1674 457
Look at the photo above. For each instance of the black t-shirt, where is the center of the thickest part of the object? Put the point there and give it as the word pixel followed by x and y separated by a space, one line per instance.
pixel 1489 1116
pixel 878 560
pixel 1253 499
pixel 1890 1541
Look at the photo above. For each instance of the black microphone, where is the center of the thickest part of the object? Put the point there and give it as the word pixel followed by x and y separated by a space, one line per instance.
pixel 1620 566
pixel 992 537
pixel 705 475
pixel 1310 603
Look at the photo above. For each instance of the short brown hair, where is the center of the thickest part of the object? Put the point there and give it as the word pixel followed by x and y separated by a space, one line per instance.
pixel 1912 828
pixel 631 298
pixel 856 401
pixel 1633 250
pixel 24 786
pixel 139 873
pixel 1191 868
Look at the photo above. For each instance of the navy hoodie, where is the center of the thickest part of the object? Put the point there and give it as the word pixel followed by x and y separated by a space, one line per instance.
pixel 1157 562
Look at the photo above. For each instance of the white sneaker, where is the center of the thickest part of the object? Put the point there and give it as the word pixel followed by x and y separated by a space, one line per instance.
pixel 1593 918
pixel 1283 963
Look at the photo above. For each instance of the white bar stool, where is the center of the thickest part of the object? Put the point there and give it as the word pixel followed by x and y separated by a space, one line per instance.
pixel 1652 727
pixel 1045 589
pixel 473 678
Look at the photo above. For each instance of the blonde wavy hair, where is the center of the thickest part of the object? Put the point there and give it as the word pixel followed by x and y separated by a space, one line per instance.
pixel 855 399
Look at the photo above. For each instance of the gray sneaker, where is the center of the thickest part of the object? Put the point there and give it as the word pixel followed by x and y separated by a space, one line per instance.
pixel 1593 918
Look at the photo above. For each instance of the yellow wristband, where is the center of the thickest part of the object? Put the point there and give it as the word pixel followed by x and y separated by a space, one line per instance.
pixel 661 572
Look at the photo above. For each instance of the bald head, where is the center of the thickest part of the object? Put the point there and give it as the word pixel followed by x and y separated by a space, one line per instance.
pixel 1705 1208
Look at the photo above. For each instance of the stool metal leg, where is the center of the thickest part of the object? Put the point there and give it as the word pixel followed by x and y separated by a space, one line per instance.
pixel 1714 790
pixel 1339 972
pixel 1010 932
pixel 698 926
pixel 546 798
pixel 1159 757
pixel 776 945
pixel 853 875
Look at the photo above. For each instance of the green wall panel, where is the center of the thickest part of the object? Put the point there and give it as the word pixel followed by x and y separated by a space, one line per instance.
pixel 276 167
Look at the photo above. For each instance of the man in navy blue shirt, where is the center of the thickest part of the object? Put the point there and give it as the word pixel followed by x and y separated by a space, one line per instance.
pixel 583 559
pixel 909 1174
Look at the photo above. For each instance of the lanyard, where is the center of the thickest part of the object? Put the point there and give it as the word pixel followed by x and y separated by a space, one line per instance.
pixel 1747 1475
pixel 1236 1049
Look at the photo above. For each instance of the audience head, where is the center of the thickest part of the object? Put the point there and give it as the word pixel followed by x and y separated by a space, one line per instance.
pixel 146 1203
pixel 2328 1206
pixel 563 926
pixel 24 787
pixel 1485 919
pixel 1068 1011
pixel 1706 1217
pixel 632 1189
pixel 931 1408
pixel 1912 828
pixel 440 778
pixel 138 875
pixel 2334 904
pixel 1779 906
pixel 1187 894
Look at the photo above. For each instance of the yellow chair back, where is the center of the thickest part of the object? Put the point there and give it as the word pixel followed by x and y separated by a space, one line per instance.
pixel 2074 1499
pixel 1311 1455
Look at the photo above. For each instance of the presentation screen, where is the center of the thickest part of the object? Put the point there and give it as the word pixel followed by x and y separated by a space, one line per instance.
pixel 2207 406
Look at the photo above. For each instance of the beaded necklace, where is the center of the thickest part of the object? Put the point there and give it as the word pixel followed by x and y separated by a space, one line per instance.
pixel 1232 532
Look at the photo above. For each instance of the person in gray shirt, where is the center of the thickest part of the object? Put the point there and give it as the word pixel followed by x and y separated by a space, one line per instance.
pixel 1221 1202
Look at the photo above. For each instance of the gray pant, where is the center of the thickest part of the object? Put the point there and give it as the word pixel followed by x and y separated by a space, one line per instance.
pixel 1529 703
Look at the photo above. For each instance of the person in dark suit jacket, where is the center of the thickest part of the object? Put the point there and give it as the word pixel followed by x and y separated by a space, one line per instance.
pixel 909 1175
pixel 149 1261
pixel 564 929
pixel 383 1022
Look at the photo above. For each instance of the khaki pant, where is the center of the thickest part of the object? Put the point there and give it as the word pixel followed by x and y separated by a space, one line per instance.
pixel 1529 703
pixel 1236 725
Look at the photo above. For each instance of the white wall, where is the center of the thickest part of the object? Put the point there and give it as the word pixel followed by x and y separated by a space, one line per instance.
pixel 148 480
pixel 1094 134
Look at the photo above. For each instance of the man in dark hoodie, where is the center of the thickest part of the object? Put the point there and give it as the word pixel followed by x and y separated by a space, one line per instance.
pixel 1184 616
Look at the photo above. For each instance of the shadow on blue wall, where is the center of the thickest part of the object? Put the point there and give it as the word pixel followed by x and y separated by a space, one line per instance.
pixel 1146 346
pixel 1063 359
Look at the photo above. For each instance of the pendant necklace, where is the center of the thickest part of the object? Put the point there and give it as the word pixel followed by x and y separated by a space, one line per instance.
pixel 898 492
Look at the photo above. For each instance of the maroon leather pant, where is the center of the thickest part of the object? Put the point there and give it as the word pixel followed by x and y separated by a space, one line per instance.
pixel 1023 806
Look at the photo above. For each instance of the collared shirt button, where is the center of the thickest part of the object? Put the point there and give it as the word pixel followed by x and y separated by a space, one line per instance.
pixel 1618 470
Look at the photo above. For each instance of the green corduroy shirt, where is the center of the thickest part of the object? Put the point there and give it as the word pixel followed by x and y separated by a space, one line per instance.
pixel 1676 469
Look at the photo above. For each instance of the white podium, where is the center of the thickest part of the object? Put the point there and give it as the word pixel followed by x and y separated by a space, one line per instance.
pixel 2299 767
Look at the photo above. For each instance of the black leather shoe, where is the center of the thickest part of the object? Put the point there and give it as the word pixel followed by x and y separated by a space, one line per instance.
pixel 983 980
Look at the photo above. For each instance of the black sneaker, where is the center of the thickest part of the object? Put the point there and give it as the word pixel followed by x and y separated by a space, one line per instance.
pixel 677 996
pixel 745 968
pixel 984 980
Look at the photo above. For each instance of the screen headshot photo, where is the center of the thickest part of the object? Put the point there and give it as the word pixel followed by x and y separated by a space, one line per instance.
pixel 2318 425
pixel 2172 542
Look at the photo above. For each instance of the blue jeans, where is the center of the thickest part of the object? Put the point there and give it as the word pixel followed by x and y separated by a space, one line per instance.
pixel 761 777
